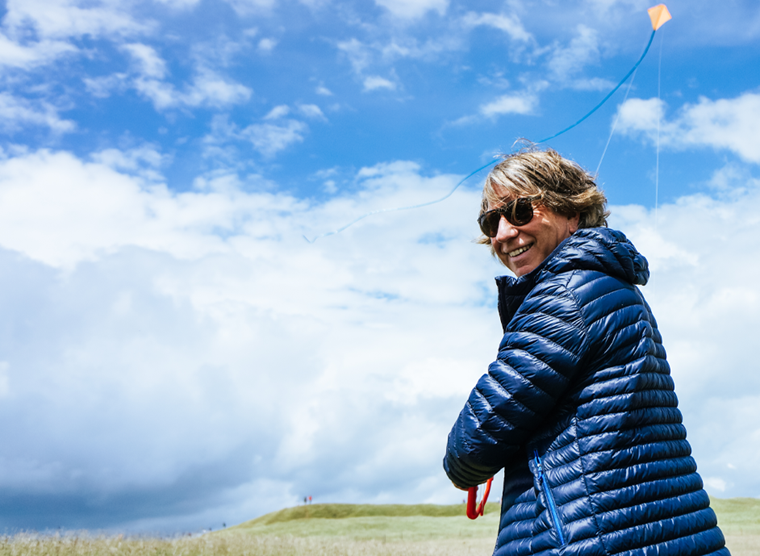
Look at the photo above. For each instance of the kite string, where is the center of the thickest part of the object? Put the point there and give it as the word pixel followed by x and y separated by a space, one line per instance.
pixel 657 163
pixel 594 109
pixel 363 216
pixel 614 125
pixel 612 92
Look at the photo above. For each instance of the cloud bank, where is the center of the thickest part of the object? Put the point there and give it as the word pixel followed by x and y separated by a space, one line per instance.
pixel 724 124
pixel 187 359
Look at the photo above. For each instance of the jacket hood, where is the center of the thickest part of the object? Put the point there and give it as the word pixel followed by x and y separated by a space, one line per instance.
pixel 595 249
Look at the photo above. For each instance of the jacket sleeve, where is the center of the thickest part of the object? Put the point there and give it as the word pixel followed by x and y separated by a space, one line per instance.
pixel 538 357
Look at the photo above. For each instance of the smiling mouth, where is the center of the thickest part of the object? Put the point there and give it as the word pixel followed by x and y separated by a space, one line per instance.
pixel 519 251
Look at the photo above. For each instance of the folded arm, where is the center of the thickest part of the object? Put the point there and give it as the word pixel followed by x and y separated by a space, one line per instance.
pixel 538 356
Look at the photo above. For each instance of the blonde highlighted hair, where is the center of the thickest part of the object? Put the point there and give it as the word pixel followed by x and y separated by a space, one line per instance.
pixel 557 183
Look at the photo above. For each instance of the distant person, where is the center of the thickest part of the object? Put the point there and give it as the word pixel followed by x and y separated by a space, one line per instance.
pixel 578 408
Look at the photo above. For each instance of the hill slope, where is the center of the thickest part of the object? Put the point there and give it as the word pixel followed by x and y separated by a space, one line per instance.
pixel 738 517
pixel 374 521
pixel 343 511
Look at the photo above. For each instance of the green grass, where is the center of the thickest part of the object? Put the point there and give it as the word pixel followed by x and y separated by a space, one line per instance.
pixel 371 521
pixel 237 545
pixel 739 518
pixel 415 525
pixel 738 515
pixel 350 530
pixel 343 511
pixel 735 516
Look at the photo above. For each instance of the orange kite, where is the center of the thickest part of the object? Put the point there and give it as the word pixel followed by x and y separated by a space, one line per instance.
pixel 659 14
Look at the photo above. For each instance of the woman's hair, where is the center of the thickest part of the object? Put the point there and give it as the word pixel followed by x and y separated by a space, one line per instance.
pixel 559 184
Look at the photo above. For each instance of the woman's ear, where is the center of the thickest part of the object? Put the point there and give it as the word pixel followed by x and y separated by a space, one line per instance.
pixel 573 222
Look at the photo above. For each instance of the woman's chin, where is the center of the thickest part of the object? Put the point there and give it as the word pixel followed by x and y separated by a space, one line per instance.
pixel 523 265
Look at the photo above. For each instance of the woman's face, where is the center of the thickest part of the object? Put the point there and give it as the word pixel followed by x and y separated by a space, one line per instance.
pixel 523 248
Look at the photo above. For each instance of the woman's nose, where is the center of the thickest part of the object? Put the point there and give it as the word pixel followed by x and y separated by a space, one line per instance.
pixel 506 230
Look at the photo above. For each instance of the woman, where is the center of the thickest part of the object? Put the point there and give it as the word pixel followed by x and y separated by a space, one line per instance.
pixel 578 408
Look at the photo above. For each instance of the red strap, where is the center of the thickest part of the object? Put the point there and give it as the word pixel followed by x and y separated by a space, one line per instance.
pixel 472 496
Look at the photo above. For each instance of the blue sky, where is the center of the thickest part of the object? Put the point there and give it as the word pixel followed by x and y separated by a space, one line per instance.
pixel 174 355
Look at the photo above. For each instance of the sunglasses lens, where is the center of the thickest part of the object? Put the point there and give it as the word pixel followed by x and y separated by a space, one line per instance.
pixel 518 213
pixel 489 223
pixel 522 213
pixel 491 227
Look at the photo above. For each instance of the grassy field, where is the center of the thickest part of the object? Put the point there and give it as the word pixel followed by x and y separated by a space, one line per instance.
pixel 390 522
pixel 739 518
pixel 350 530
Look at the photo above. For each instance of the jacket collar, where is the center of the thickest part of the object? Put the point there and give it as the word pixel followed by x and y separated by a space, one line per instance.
pixel 600 249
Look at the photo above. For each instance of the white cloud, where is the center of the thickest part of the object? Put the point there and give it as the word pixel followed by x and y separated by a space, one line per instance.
pixel 728 179
pixel 149 63
pixel 222 51
pixel 314 4
pixel 179 4
pixel 54 23
pixel 374 82
pixel 60 210
pixel 357 52
pixel 591 84
pixel 413 9
pixel 144 161
pixel 411 47
pixel 174 323
pixel 364 56
pixel 249 7
pixel 211 89
pixel 60 19
pixel 267 45
pixel 207 89
pixel 15 113
pixel 324 91
pixel 163 95
pixel 606 5
pixel 327 174
pixel 102 87
pixel 150 78
pixel 730 124
pixel 715 484
pixel 509 23
pixel 4 384
pixel 269 139
pixel 182 317
pixel 636 115
pixel 29 56
pixel 276 133
pixel 311 111
pixel 523 103
pixel 278 112
pixel 569 61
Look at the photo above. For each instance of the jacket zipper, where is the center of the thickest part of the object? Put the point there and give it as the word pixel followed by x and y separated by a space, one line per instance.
pixel 549 499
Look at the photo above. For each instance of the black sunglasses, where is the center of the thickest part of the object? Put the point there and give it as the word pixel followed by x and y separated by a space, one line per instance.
pixel 517 212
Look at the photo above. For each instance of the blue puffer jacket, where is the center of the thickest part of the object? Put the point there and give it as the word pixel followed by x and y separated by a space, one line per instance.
pixel 579 410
